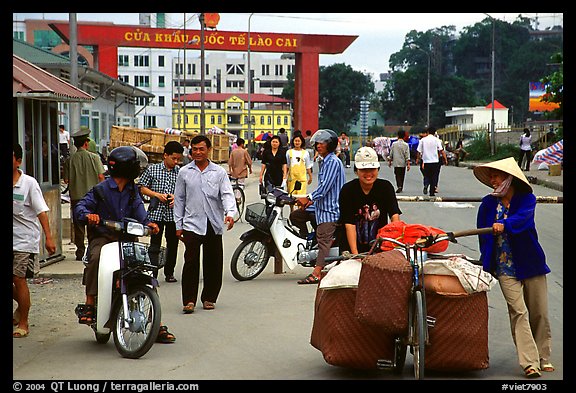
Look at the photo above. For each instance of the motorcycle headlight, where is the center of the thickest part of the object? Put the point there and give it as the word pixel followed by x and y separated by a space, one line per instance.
pixel 270 198
pixel 135 228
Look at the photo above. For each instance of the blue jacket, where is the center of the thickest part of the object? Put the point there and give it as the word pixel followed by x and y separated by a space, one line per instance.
pixel 527 254
pixel 127 203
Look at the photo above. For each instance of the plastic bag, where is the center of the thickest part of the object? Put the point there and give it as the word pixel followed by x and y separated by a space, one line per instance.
pixel 409 233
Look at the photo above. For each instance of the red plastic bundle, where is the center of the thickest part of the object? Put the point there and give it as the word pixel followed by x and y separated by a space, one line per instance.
pixel 409 233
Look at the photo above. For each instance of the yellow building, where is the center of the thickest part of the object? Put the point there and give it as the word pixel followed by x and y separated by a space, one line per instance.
pixel 229 112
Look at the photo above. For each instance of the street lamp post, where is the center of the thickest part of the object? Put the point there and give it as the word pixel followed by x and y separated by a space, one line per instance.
pixel 414 46
pixel 202 76
pixel 492 123
pixel 249 81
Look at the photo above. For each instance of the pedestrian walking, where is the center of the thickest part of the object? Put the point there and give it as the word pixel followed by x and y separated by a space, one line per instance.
pixel 64 140
pixel 299 166
pixel 366 203
pixel 274 170
pixel 325 197
pixel 158 181
pixel 514 256
pixel 400 158
pixel 203 203
pixel 344 142
pixel 430 151
pixel 29 215
pixel 84 171
pixel 240 163
pixel 525 149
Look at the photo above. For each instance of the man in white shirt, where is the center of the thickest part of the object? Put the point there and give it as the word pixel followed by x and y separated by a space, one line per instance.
pixel 29 213
pixel 429 150
pixel 64 140
pixel 203 203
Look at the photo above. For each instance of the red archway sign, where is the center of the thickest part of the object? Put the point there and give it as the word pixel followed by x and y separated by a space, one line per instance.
pixel 107 38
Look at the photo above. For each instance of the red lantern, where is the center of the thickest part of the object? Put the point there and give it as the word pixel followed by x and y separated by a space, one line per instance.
pixel 211 20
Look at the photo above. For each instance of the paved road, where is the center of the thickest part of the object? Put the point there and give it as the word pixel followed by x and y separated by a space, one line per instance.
pixel 260 329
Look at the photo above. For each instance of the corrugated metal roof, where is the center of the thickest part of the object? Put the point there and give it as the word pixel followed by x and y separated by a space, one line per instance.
pixel 30 81
pixel 37 55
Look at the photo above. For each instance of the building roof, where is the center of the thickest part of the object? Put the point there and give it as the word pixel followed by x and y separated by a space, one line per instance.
pixel 497 105
pixel 221 97
pixel 57 63
pixel 30 81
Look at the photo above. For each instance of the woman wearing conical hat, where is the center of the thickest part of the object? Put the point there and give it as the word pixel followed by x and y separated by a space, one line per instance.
pixel 513 254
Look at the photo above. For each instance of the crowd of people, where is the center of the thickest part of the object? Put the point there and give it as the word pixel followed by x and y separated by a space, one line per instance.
pixel 194 203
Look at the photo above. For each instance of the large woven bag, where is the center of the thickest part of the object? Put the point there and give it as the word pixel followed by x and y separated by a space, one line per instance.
pixel 384 292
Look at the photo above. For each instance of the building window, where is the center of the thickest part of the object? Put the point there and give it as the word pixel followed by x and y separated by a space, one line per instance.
pixel 141 81
pixel 161 101
pixel 279 70
pixel 265 69
pixel 149 121
pixel 141 61
pixel 161 81
pixel 160 61
pixel 262 120
pixel 123 61
pixel 235 69
pixel 219 119
pixel 285 120
pixel 124 78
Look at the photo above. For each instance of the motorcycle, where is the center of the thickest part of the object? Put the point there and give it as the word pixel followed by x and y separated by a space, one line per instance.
pixel 272 232
pixel 127 304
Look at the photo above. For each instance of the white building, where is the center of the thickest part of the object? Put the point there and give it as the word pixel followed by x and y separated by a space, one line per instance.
pixel 473 118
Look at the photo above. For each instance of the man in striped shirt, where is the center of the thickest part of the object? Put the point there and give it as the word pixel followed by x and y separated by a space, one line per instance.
pixel 331 178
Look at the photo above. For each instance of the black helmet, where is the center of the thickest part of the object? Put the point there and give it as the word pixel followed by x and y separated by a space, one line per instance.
pixel 126 162
pixel 325 136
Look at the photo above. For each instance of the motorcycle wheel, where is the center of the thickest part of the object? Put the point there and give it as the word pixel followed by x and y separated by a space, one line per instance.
pixel 249 259
pixel 136 339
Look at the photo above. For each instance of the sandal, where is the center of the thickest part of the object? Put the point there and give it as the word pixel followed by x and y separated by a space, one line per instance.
pixel 188 309
pixel 164 336
pixel 532 372
pixel 19 333
pixel 310 279
pixel 548 367
pixel 208 305
pixel 85 313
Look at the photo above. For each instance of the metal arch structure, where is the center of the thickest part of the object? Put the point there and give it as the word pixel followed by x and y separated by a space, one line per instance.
pixel 106 38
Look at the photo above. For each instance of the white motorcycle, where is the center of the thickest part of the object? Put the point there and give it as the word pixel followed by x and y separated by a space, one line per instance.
pixel 127 304
pixel 271 232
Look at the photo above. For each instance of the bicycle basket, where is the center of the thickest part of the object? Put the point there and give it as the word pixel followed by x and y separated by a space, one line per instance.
pixel 256 216
pixel 143 255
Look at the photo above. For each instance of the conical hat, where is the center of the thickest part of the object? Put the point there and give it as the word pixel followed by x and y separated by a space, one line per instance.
pixel 507 165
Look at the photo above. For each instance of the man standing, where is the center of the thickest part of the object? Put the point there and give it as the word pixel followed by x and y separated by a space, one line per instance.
pixel 203 203
pixel 331 178
pixel 186 153
pixel 64 140
pixel 240 163
pixel 344 142
pixel 429 149
pixel 85 170
pixel 28 214
pixel 158 181
pixel 400 158
pixel 283 138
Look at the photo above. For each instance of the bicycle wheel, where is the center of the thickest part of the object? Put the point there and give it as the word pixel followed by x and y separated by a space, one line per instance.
pixel 418 334
pixel 240 203
pixel 136 340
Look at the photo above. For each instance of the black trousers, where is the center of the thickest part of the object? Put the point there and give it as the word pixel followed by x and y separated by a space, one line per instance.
pixel 528 155
pixel 212 266
pixel 169 230
pixel 432 172
pixel 400 175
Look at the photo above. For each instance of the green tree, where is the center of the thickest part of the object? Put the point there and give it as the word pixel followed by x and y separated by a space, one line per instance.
pixel 341 90
pixel 555 84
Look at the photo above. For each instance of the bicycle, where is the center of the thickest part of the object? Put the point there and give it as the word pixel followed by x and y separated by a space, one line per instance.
pixel 238 189
pixel 417 337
